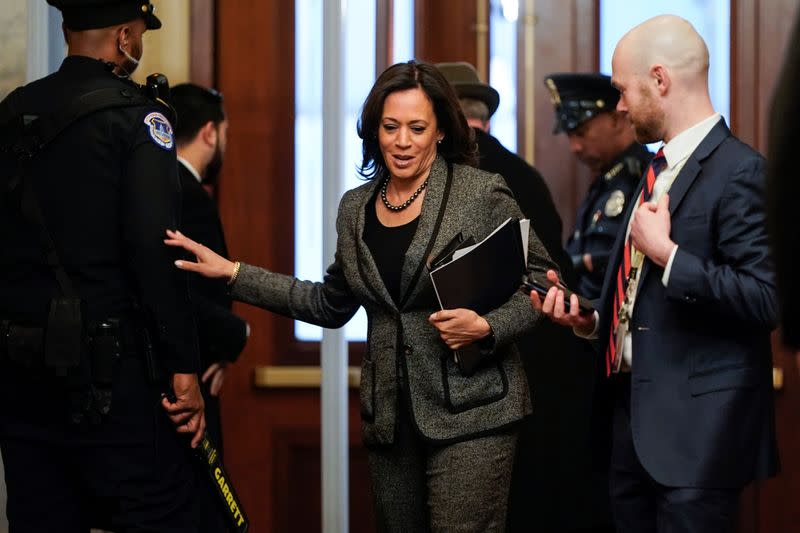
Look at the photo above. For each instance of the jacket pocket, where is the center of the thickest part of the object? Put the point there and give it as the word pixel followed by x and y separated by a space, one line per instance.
pixel 367 390
pixel 488 385
pixel 734 377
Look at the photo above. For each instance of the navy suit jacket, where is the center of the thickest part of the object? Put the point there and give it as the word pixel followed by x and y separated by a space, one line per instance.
pixel 222 334
pixel 701 399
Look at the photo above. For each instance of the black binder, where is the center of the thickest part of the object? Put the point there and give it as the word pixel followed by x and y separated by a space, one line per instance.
pixel 482 279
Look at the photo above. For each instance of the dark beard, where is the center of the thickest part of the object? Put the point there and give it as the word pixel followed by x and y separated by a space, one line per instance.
pixel 648 131
pixel 213 168
pixel 648 128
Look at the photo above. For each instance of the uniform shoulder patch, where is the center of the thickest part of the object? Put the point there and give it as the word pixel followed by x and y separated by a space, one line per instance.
pixel 615 204
pixel 160 130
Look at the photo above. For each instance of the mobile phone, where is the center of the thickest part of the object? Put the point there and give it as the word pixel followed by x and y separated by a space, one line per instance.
pixel 541 289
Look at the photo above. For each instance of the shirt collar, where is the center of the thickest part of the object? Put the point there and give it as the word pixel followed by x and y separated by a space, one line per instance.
pixel 191 169
pixel 682 145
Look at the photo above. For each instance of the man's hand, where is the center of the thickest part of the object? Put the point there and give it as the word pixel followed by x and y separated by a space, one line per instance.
pixel 187 411
pixel 553 307
pixel 587 262
pixel 650 231
pixel 459 327
pixel 216 373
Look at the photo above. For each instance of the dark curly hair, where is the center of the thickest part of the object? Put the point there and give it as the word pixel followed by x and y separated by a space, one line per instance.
pixel 458 144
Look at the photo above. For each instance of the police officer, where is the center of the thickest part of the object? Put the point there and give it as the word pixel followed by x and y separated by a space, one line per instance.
pixel 96 321
pixel 602 139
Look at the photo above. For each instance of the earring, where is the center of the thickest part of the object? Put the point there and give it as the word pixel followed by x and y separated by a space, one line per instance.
pixel 439 141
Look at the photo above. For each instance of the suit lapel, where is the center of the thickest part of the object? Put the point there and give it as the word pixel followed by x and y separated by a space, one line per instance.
pixel 366 263
pixel 691 169
pixel 196 200
pixel 427 221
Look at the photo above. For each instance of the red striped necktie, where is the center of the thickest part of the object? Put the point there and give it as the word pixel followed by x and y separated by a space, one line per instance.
pixel 625 272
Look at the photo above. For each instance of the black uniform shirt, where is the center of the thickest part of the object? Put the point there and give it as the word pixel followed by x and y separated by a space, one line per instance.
pixel 108 189
pixel 600 217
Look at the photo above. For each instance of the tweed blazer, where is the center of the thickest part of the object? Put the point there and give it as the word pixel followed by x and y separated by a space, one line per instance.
pixel 401 344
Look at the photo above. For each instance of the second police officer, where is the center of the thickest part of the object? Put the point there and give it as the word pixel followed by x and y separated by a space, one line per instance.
pixel 602 139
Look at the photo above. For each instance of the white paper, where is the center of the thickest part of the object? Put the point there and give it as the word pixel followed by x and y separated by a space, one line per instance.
pixel 524 230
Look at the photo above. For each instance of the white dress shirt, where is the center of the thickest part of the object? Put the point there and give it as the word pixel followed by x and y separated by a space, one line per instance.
pixel 191 169
pixel 676 152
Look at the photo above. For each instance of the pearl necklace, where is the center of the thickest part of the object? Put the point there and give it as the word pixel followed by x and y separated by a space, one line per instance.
pixel 405 204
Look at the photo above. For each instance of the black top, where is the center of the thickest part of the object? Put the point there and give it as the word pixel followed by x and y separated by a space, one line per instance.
pixel 388 246
pixel 222 334
pixel 601 216
pixel 108 189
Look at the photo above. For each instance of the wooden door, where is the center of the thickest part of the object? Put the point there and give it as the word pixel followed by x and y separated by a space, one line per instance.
pixel 759 35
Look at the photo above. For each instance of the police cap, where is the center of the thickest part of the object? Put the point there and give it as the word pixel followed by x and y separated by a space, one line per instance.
pixel 80 15
pixel 579 97
pixel 464 79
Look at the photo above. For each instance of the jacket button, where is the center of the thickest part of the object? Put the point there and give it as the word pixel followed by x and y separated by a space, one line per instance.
pixel 407 349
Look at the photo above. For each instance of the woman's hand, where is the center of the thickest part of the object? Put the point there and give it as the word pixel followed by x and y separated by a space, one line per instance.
pixel 208 263
pixel 459 327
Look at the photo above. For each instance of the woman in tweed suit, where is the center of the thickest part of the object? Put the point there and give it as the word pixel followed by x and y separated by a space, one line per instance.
pixel 441 445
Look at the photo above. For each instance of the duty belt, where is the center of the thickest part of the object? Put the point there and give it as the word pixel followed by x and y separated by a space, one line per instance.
pixel 23 345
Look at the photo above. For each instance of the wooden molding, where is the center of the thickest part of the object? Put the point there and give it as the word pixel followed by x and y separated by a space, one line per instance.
pixel 202 36
pixel 482 39
pixel 384 35
pixel 294 377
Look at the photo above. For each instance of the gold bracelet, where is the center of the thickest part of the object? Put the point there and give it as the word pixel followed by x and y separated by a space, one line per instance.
pixel 236 266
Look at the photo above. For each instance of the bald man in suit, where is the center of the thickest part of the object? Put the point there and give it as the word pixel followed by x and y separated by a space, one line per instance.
pixel 688 302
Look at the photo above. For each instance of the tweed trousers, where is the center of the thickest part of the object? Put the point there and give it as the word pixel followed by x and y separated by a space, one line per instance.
pixel 455 488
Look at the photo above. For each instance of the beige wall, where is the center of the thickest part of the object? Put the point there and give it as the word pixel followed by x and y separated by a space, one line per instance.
pixel 13 35
pixel 167 50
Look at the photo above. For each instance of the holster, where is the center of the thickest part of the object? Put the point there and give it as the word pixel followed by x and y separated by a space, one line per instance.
pixel 92 381
pixel 85 367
